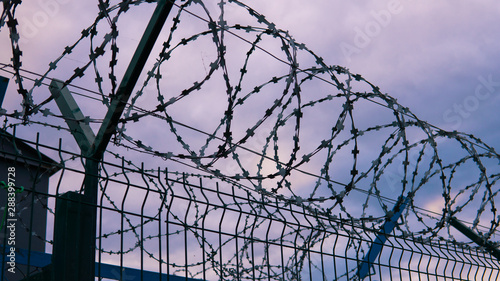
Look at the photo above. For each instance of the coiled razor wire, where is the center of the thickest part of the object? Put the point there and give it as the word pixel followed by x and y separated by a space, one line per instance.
pixel 276 119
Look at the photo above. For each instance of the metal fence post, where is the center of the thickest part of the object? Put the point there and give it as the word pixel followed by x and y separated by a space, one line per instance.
pixel 83 224
pixel 73 242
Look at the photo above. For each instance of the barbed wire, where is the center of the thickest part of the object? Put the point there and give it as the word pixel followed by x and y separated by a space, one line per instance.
pixel 287 125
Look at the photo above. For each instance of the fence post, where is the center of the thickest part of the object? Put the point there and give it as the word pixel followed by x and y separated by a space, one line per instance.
pixel 82 224
pixel 376 247
pixel 74 241
pixel 492 249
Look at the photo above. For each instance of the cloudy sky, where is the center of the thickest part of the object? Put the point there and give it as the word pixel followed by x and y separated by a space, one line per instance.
pixel 431 57
pixel 439 59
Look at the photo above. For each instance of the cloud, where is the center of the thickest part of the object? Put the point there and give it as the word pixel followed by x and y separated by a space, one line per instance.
pixel 430 57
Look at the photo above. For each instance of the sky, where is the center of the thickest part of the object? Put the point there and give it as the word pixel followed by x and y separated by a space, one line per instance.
pixel 439 59
pixel 431 57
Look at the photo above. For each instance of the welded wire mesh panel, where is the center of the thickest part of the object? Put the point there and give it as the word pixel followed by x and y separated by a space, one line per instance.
pixel 171 224
pixel 216 231
pixel 199 228
pixel 196 227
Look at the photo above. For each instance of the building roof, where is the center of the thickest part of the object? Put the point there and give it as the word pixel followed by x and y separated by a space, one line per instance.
pixel 18 150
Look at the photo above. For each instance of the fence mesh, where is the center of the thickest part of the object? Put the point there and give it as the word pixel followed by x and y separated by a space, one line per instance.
pixel 176 224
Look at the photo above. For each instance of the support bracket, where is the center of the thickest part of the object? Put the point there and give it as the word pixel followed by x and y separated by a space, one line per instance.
pixel 80 129
pixel 376 247
pixel 475 237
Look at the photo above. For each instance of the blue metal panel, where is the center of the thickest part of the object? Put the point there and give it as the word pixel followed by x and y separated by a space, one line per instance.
pixel 109 271
pixel 131 274
pixel 37 259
